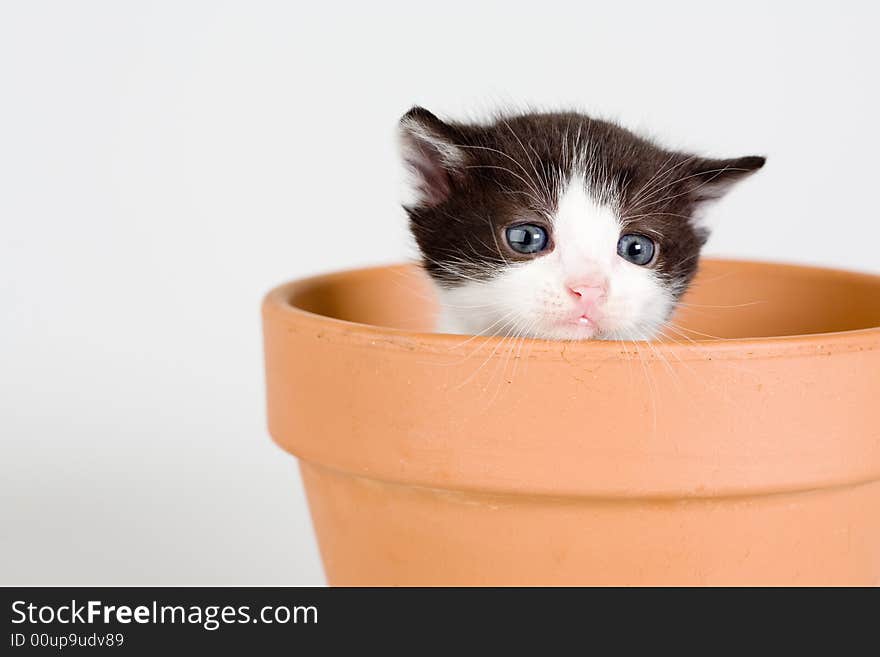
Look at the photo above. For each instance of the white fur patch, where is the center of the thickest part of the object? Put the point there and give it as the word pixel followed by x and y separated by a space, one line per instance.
pixel 534 298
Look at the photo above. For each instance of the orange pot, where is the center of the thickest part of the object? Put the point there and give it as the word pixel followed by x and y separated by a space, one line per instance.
pixel 748 457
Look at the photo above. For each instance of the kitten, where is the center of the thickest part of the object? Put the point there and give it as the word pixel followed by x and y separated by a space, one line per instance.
pixel 557 225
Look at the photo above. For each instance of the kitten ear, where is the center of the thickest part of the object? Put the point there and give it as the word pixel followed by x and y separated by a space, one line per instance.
pixel 429 152
pixel 712 178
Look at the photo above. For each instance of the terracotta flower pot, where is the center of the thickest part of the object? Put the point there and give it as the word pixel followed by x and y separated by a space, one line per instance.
pixel 749 457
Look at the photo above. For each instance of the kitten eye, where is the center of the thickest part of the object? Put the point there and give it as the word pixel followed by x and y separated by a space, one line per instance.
pixel 638 249
pixel 527 238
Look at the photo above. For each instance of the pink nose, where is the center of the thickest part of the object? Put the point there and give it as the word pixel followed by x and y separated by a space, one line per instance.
pixel 588 295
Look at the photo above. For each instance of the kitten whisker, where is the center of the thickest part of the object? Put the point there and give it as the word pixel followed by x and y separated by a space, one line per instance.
pixel 720 306
pixel 717 173
pixel 657 190
pixel 533 186
pixel 538 201
pixel 507 125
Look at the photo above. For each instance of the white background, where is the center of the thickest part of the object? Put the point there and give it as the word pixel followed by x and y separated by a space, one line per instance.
pixel 162 164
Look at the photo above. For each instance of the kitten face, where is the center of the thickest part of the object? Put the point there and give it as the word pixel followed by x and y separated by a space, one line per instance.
pixel 557 225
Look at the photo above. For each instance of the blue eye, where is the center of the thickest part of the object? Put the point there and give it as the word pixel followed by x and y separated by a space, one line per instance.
pixel 527 238
pixel 638 249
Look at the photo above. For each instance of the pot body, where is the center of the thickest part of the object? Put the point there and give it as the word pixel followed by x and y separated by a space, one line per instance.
pixel 437 459
pixel 378 533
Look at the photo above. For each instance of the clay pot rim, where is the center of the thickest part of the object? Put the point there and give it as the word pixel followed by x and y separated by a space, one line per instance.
pixel 278 302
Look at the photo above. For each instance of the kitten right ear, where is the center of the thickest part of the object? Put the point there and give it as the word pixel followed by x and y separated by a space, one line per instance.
pixel 430 153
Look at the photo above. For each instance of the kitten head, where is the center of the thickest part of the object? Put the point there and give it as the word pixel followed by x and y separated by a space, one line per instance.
pixel 557 225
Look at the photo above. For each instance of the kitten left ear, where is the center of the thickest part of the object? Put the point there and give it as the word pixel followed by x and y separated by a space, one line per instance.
pixel 430 151
pixel 712 178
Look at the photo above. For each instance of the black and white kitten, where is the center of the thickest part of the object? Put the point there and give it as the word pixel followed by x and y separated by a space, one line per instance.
pixel 557 225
